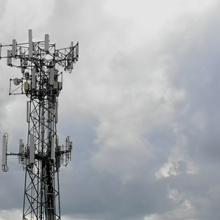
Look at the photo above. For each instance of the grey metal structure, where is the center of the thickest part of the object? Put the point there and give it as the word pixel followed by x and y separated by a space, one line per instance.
pixel 41 81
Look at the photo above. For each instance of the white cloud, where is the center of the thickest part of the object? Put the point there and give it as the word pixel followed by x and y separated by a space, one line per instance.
pixel 73 218
pixel 176 167
pixel 10 214
pixel 183 209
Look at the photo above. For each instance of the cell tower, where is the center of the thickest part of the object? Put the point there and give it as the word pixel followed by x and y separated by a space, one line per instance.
pixel 41 81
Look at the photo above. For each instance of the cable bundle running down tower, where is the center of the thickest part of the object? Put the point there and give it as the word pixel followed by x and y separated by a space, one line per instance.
pixel 42 155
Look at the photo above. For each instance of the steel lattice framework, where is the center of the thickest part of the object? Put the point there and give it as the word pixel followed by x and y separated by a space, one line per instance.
pixel 41 81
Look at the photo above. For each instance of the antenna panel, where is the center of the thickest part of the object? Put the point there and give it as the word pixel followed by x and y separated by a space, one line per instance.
pixel 32 149
pixel 58 161
pixel 56 112
pixel 14 48
pixel 33 79
pixel 68 144
pixel 21 151
pixel 9 58
pixel 70 65
pixel 30 48
pixel 53 145
pixel 67 140
pixel 51 76
pixel 62 158
pixel 0 51
pixel 34 48
pixel 77 51
pixel 47 41
pixel 4 152
pixel 28 111
pixel 21 146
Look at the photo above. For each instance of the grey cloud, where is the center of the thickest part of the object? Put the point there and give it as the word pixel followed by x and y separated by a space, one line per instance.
pixel 132 107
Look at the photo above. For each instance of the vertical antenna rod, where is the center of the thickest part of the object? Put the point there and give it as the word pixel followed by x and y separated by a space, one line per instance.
pixel 41 66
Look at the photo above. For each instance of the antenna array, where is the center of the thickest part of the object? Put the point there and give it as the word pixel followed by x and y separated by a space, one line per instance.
pixel 41 80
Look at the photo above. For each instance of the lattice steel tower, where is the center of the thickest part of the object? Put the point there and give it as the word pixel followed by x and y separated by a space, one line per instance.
pixel 41 81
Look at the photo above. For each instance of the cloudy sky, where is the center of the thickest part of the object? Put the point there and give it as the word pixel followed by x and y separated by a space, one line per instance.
pixel 142 107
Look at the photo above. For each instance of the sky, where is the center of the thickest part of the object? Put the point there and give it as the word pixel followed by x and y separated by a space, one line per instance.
pixel 141 106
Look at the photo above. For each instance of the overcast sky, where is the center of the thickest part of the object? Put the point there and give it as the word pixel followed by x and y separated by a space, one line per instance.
pixel 142 107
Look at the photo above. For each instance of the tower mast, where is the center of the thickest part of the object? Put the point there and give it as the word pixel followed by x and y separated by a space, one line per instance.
pixel 41 81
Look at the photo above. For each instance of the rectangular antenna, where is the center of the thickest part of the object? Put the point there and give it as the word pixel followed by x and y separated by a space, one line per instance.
pixel 28 111
pixel 14 48
pixel 34 46
pixel 47 41
pixel 9 58
pixel 68 142
pixel 32 149
pixel 0 51
pixel 21 151
pixel 53 146
pixel 63 155
pixel 72 51
pixel 21 146
pixel 4 152
pixel 51 76
pixel 33 78
pixel 58 162
pixel 30 49
pixel 77 50
pixel 56 112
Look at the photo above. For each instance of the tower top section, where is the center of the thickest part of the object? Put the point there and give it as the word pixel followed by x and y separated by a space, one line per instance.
pixel 40 53
pixel 38 59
